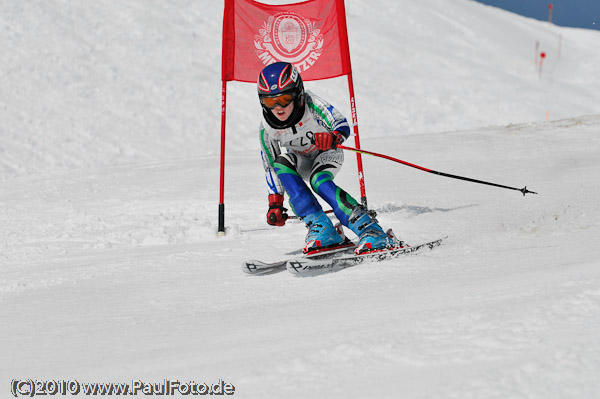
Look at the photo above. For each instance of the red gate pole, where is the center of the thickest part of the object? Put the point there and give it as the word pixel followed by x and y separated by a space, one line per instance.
pixel 221 230
pixel 361 175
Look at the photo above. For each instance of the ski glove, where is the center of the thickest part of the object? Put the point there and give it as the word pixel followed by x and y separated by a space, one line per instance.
pixel 276 215
pixel 328 140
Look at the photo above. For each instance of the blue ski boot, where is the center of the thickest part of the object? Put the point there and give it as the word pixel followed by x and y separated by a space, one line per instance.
pixel 371 236
pixel 321 232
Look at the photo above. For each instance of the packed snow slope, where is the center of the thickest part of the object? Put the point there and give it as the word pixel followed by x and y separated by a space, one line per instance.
pixel 93 85
pixel 112 271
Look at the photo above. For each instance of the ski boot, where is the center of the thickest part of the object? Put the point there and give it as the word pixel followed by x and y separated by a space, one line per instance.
pixel 371 237
pixel 321 232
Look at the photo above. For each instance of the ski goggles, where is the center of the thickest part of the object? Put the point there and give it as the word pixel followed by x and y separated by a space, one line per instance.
pixel 282 100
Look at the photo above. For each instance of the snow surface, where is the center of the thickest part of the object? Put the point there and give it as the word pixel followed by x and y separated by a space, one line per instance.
pixel 112 270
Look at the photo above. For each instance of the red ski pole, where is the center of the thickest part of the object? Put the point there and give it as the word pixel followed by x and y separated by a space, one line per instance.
pixel 522 190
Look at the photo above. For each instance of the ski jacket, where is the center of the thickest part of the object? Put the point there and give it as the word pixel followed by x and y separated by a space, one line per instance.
pixel 319 116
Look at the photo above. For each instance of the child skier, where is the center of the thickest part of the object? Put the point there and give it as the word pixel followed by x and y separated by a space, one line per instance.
pixel 310 129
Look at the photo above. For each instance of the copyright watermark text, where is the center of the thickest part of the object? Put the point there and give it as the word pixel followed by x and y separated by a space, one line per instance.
pixel 31 388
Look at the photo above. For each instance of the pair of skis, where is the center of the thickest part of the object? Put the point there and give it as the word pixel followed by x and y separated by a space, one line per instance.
pixel 330 261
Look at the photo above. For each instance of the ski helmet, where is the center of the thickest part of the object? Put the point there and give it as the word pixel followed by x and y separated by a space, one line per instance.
pixel 274 81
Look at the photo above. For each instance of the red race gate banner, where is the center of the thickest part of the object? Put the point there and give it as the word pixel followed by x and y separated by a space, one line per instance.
pixel 312 35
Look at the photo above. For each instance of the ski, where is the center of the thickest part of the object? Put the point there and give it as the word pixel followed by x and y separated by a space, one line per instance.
pixel 311 267
pixel 260 268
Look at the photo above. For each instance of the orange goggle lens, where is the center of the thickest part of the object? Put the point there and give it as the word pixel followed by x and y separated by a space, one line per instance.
pixel 283 100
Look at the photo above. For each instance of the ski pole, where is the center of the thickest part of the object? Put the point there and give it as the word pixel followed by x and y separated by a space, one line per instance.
pixel 294 217
pixel 522 190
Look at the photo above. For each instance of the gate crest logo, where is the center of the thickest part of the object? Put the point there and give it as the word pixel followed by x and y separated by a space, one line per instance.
pixel 289 37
